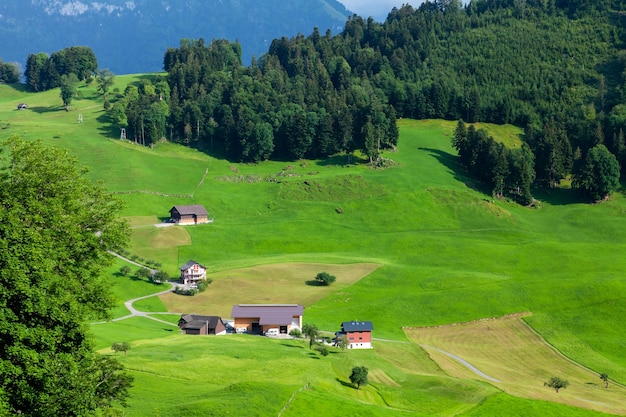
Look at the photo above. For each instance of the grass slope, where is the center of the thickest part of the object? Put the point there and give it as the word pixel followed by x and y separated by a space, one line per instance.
pixel 448 252
pixel 508 350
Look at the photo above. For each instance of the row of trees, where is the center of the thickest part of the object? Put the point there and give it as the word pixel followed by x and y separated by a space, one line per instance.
pixel 44 72
pixel 508 172
pixel 511 172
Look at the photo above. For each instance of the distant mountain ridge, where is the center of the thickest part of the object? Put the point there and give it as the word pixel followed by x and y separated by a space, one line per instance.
pixel 130 36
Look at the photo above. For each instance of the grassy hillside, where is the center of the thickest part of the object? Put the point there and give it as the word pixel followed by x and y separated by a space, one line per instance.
pixel 447 253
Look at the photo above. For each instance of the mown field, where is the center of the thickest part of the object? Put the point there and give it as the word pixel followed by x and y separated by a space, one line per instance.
pixel 445 252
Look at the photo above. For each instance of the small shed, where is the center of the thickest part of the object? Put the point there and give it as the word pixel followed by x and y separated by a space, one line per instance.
pixel 22 106
pixel 193 214
pixel 198 324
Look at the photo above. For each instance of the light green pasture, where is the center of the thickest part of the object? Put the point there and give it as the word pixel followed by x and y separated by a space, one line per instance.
pixel 449 253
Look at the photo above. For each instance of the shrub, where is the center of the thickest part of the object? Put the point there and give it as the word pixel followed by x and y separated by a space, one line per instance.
pixel 322 349
pixel 325 278
pixel 295 332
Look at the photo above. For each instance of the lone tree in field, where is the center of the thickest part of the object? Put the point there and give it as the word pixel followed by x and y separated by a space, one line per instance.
pixel 359 376
pixel 311 331
pixel 56 228
pixel 605 378
pixel 69 89
pixel 125 270
pixel 325 278
pixel 121 347
pixel 556 383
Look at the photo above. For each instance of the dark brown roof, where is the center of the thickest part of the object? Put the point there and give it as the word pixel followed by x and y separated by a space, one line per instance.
pixel 279 314
pixel 195 321
pixel 189 264
pixel 194 209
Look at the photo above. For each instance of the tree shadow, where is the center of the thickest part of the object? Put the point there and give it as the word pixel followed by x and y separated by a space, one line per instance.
pixel 457 170
pixel 314 283
pixel 344 383
pixel 344 160
pixel 292 346
pixel 41 110
pixel 558 196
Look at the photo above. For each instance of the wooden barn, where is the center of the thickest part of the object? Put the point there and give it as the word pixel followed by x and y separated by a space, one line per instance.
pixel 193 214
pixel 258 318
pixel 197 324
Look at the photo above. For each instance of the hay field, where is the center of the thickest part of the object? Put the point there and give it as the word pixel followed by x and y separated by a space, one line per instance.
pixel 285 283
pixel 507 350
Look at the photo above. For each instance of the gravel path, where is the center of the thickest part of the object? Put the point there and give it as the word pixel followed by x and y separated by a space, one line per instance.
pixel 464 363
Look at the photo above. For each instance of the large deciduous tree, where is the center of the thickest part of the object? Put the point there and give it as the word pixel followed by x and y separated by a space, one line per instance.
pixel 56 227
pixel 359 376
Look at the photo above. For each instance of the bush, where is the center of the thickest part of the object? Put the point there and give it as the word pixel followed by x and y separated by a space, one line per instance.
pixel 295 332
pixel 125 270
pixel 325 278
pixel 160 277
pixel 188 292
pixel 202 286
pixel 322 349
pixel 143 273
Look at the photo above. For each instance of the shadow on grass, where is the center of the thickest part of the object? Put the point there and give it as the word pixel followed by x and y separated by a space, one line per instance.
pixel 41 110
pixel 342 160
pixel 558 196
pixel 313 355
pixel 344 383
pixel 457 170
pixel 314 283
pixel 292 346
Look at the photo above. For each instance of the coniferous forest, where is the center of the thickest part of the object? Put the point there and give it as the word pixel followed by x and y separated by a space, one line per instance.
pixel 554 67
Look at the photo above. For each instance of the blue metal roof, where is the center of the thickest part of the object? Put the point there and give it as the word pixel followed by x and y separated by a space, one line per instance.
pixel 357 326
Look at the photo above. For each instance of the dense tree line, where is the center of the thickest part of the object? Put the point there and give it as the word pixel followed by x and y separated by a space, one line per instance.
pixel 508 172
pixel 44 72
pixel 289 105
pixel 556 68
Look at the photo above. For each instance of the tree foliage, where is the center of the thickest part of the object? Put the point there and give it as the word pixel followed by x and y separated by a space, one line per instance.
pixel 120 347
pixel 599 174
pixel 44 72
pixel 56 227
pixel 69 89
pixel 311 332
pixel 359 376
pixel 325 278
pixel 556 383
pixel 605 377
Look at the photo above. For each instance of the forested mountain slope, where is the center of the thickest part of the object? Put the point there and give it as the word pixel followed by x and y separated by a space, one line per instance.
pixel 555 68
pixel 131 36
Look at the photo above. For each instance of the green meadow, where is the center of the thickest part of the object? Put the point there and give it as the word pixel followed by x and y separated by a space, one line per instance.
pixel 445 252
